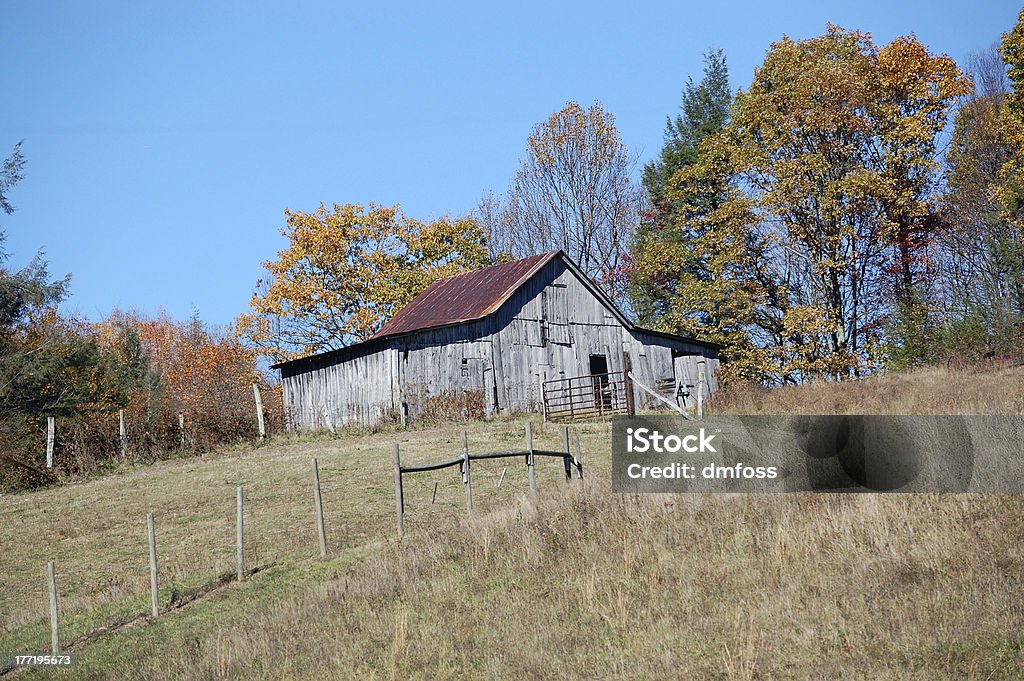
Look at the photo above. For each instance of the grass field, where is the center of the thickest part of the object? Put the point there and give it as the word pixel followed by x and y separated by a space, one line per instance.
pixel 582 584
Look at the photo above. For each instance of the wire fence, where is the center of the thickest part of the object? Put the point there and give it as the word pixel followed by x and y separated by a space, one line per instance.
pixel 38 450
pixel 268 530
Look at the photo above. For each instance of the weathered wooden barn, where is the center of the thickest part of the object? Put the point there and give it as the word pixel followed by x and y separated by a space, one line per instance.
pixel 531 335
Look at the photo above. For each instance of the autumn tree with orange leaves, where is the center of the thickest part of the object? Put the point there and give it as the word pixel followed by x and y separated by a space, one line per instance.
pixel 207 377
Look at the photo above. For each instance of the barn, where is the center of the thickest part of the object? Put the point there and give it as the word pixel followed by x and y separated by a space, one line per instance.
pixel 531 335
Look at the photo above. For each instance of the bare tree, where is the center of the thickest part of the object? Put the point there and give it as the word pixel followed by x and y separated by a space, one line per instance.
pixel 983 263
pixel 488 213
pixel 573 192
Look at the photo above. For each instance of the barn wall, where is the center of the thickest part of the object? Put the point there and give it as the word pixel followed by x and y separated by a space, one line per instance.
pixel 341 390
pixel 448 372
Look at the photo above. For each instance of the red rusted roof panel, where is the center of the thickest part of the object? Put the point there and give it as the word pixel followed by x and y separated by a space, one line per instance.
pixel 464 297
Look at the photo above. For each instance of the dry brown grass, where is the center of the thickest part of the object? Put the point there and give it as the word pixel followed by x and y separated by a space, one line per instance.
pixel 95 529
pixel 602 586
pixel 981 390
pixel 585 584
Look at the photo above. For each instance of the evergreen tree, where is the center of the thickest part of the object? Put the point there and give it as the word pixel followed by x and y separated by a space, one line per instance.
pixel 704 113
pixel 49 366
pixel 10 174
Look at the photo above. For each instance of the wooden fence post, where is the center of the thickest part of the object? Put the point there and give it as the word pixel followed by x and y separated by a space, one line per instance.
pixel 466 473
pixel 153 591
pixel 50 432
pixel 122 430
pixel 529 458
pixel 54 637
pixel 567 459
pixel 259 410
pixel 627 373
pixel 319 510
pixel 239 536
pixel 399 496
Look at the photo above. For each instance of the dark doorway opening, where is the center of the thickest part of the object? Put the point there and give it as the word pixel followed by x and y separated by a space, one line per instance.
pixel 599 377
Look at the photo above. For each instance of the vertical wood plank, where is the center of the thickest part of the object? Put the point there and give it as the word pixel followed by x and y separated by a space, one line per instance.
pixel 123 432
pixel 153 591
pixel 627 384
pixel 54 637
pixel 700 390
pixel 321 532
pixel 399 494
pixel 239 538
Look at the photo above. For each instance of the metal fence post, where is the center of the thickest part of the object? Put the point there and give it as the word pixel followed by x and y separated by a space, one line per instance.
pixel 529 458
pixel 466 479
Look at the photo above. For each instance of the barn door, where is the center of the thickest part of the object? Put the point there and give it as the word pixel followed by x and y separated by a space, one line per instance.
pixel 599 377
pixel 685 369
pixel 490 384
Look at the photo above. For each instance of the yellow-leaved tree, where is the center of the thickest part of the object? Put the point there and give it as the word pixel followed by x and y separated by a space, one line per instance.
pixel 805 225
pixel 1011 191
pixel 347 270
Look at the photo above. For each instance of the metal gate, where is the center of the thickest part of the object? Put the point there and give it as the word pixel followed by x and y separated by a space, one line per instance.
pixel 585 396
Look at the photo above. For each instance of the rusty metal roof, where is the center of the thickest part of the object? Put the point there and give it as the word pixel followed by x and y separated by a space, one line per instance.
pixel 471 296
pixel 464 297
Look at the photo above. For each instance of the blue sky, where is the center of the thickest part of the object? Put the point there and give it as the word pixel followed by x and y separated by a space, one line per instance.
pixel 164 140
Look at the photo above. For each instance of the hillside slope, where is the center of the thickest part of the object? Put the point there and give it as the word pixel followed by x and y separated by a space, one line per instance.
pixel 584 584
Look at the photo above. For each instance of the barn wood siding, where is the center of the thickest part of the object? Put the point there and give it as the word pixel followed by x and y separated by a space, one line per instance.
pixel 328 392
pixel 665 358
pixel 529 339
pixel 441 367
